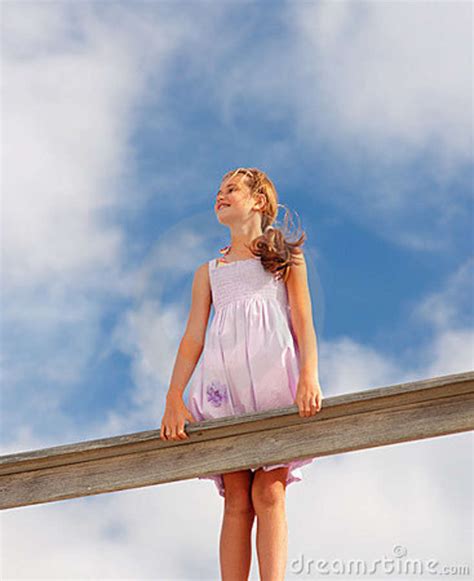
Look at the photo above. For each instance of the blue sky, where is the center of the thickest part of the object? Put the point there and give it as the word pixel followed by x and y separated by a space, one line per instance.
pixel 119 121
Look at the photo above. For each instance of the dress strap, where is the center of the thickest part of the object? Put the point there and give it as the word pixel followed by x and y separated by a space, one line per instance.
pixel 214 263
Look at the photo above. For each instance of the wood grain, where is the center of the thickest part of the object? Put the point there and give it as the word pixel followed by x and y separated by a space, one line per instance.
pixel 354 421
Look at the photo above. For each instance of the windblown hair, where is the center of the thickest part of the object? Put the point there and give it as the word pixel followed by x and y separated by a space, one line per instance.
pixel 277 253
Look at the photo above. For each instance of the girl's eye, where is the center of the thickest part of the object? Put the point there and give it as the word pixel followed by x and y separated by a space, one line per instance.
pixel 230 189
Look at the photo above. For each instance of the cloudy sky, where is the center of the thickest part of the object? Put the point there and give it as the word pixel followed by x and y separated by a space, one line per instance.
pixel 118 121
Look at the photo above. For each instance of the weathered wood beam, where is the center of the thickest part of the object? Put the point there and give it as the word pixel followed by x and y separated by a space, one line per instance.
pixel 353 421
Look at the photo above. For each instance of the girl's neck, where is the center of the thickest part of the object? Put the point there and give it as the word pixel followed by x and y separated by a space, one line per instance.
pixel 238 247
pixel 226 252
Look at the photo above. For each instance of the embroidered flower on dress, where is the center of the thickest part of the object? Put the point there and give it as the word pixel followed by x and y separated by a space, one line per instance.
pixel 217 393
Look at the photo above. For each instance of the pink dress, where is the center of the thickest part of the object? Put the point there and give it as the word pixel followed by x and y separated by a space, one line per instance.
pixel 250 358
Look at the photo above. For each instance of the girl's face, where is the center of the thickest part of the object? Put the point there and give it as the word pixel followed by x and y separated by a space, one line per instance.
pixel 233 201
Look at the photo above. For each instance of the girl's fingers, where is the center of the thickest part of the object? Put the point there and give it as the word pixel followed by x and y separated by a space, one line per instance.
pixel 181 433
pixel 305 410
pixel 173 432
pixel 163 433
pixel 310 406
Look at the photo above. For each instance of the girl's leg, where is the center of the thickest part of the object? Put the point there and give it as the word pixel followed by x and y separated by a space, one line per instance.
pixel 235 548
pixel 269 502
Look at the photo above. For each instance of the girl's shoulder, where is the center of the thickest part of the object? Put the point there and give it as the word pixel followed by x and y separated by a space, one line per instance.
pixel 202 271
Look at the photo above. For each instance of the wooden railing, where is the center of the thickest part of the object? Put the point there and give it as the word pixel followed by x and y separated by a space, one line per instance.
pixel 353 421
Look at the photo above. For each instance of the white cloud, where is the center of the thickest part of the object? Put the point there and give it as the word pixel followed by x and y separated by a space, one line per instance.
pixel 395 75
pixel 383 91
pixel 74 77
pixel 451 306
pixel 138 534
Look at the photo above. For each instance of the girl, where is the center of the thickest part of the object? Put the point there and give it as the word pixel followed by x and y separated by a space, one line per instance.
pixel 260 354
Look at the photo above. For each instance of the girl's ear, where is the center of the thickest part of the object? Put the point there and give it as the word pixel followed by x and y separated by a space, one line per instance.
pixel 261 201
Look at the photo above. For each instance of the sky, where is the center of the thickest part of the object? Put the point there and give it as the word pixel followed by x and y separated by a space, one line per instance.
pixel 119 120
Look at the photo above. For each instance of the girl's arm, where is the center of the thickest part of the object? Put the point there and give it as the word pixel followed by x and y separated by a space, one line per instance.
pixel 309 394
pixel 192 343
pixel 299 300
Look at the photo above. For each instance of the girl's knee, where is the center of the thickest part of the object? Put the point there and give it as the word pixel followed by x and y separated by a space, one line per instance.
pixel 238 503
pixel 237 493
pixel 268 490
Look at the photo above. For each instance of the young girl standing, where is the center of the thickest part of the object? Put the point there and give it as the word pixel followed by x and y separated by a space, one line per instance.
pixel 260 354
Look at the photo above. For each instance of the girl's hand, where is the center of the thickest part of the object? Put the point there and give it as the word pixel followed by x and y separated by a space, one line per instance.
pixel 308 396
pixel 172 424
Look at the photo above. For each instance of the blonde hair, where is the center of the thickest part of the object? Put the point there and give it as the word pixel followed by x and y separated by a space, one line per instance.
pixel 277 253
